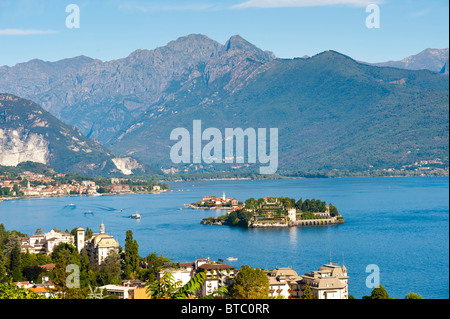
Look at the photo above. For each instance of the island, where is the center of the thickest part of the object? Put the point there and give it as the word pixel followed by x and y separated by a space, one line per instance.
pixel 214 202
pixel 279 212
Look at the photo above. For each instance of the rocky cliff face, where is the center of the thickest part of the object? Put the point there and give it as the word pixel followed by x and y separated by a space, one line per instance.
pixel 18 146
pixel 127 164
pixel 29 133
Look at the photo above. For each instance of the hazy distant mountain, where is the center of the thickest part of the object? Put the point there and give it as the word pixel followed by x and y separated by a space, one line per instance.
pixel 331 111
pixel 430 59
pixel 100 98
pixel 30 134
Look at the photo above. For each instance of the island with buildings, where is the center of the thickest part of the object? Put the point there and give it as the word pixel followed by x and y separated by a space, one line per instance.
pixel 278 212
pixel 214 202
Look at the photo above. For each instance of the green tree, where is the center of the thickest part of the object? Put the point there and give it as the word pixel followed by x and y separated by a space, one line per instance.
pixel 333 210
pixel 413 295
pixel 131 256
pixel 307 292
pixel 2 264
pixel 15 263
pixel 168 288
pixel 110 270
pixel 153 266
pixel 378 293
pixel 11 291
pixel 250 284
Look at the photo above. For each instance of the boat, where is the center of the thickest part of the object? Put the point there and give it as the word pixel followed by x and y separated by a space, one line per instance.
pixel 89 213
pixel 232 259
pixel 136 216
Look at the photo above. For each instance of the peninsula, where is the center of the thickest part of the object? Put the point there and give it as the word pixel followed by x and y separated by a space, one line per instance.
pixel 279 212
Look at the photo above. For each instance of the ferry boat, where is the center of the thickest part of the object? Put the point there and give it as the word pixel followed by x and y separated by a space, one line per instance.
pixel 136 216
pixel 232 259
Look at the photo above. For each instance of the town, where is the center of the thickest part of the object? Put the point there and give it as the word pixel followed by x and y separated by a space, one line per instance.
pixel 100 250
pixel 31 184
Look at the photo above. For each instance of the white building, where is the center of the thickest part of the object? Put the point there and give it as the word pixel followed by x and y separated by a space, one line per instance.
pixel 329 282
pixel 99 246
pixel 217 274
pixel 44 244
pixel 281 281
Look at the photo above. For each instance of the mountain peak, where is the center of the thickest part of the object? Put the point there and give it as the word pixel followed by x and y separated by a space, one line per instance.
pixel 238 43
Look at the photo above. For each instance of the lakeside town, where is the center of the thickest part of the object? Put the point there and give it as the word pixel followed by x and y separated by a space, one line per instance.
pixel 269 212
pixel 29 184
pixel 36 267
pixel 330 281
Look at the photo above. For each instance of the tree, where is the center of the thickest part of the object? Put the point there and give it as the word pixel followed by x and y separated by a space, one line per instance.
pixel 2 265
pixel 378 293
pixel 131 255
pixel 110 269
pixel 413 295
pixel 307 292
pixel 11 291
pixel 333 210
pixel 15 263
pixel 168 288
pixel 250 284
pixel 154 264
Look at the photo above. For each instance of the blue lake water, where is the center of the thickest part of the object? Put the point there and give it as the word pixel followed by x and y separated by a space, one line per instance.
pixel 399 224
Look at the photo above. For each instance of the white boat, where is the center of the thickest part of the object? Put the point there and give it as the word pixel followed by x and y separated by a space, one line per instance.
pixel 136 216
pixel 232 259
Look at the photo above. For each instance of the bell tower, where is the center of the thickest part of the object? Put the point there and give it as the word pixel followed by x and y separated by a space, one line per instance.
pixel 80 239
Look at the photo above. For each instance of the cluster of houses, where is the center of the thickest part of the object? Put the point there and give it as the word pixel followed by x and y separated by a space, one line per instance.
pixel 44 188
pixel 98 246
pixel 214 202
pixel 329 282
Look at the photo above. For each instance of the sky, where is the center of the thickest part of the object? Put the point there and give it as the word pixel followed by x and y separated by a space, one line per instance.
pixel 112 29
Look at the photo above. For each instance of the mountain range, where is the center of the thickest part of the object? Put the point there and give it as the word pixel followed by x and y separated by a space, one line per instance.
pixel 435 60
pixel 331 111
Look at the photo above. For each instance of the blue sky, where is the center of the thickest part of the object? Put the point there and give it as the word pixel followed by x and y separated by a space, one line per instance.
pixel 111 29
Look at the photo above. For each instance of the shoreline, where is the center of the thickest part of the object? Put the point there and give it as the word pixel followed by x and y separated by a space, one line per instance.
pixel 299 223
pixel 300 177
pixel 3 199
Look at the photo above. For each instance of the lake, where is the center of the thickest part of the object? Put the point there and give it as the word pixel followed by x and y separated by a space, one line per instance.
pixel 399 224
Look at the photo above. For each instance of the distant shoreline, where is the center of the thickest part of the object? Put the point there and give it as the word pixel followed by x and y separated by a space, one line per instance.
pixel 2 199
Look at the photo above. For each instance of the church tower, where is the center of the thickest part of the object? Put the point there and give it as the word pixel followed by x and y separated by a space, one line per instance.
pixel 80 239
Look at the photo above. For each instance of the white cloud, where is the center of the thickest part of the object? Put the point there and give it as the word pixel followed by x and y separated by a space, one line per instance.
pixel 25 32
pixel 304 3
